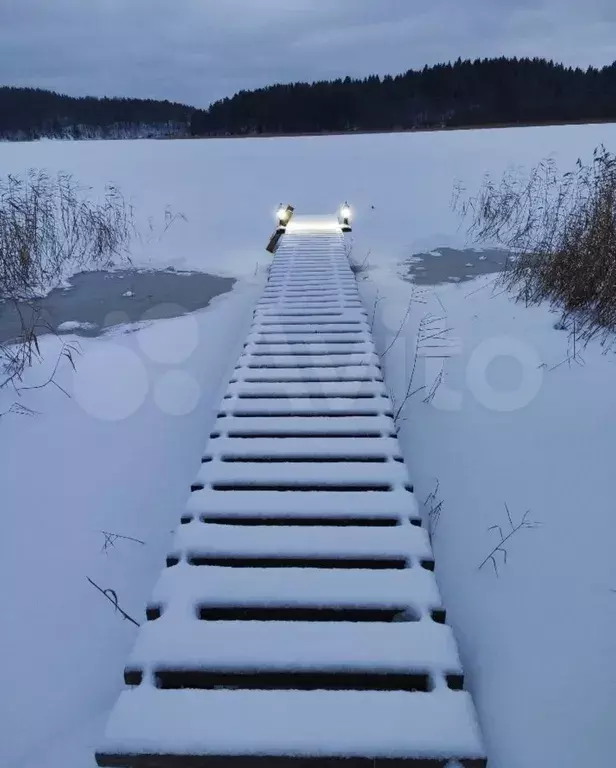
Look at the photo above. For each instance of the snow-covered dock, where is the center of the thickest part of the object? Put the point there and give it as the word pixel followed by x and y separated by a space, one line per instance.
pixel 298 621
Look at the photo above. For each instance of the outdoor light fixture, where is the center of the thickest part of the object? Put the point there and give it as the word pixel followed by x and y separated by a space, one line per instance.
pixel 345 217
pixel 283 214
pixel 283 217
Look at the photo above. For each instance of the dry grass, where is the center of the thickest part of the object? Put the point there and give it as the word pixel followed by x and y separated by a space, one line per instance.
pixel 48 224
pixel 560 230
pixel 49 227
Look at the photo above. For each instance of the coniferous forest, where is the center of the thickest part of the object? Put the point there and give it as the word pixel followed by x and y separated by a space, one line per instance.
pixel 32 113
pixel 463 94
pixel 483 92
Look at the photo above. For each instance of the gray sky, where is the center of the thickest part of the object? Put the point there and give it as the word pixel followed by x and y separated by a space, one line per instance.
pixel 200 50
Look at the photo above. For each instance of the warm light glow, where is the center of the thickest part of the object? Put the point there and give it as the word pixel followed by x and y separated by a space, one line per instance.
pixel 314 224
pixel 282 214
pixel 345 212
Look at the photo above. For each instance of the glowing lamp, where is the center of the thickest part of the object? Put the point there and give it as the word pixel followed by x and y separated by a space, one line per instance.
pixel 345 217
pixel 283 214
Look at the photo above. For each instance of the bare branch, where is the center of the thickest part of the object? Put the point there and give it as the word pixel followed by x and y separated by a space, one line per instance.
pixel 377 299
pixel 402 324
pixel 111 538
pixel 111 595
pixel 434 388
pixel 435 508
pixel 524 523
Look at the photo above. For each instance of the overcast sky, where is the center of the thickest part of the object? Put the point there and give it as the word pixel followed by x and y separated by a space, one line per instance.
pixel 197 51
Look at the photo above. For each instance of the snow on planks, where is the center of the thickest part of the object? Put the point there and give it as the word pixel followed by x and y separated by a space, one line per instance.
pixel 298 621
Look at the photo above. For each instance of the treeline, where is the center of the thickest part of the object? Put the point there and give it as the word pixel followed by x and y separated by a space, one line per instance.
pixel 463 94
pixel 32 113
pixel 468 93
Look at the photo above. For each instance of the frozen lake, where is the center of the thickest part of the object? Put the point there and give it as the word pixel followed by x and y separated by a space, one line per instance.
pixel 453 265
pixel 98 300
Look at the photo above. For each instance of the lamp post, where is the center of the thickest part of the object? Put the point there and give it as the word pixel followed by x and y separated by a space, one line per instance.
pixel 283 217
pixel 345 217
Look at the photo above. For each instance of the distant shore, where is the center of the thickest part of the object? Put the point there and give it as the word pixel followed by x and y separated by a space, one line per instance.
pixel 430 129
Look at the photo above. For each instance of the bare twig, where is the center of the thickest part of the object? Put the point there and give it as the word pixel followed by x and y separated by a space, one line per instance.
pixel 408 394
pixel 435 385
pixel 111 538
pixel 20 410
pixel 357 267
pixel 402 324
pixel 434 512
pixel 425 333
pixel 66 352
pixel 170 219
pixel 524 523
pixel 377 299
pixel 111 595
pixel 573 355
pixel 442 306
pixel 487 284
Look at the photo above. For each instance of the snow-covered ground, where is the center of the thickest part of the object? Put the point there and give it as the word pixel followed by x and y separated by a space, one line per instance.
pixel 507 429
